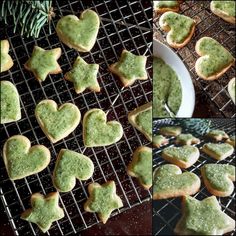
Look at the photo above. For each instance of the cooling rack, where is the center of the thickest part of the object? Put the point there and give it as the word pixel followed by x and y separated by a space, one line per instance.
pixel 213 94
pixel 123 25
pixel 166 213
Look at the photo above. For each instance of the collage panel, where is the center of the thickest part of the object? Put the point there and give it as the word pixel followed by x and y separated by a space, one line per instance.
pixel 193 174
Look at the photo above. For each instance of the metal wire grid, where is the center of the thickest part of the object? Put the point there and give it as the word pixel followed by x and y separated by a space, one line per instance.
pixel 123 25
pixel 166 213
pixel 210 25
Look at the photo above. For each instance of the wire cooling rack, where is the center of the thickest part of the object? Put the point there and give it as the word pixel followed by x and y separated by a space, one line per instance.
pixel 210 25
pixel 166 213
pixel 123 25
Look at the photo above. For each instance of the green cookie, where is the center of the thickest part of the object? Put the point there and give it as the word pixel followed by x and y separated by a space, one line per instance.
pixel 79 34
pixel 169 181
pixel 69 167
pixel 57 123
pixel 97 131
pixel 184 156
pixel 10 103
pixel 83 75
pixel 6 60
pixel 22 160
pixel 214 59
pixel 218 178
pixel 141 166
pixel 141 119
pixel 45 210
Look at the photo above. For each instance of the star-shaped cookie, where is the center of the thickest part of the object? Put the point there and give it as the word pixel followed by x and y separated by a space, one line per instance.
pixel 83 75
pixel 103 199
pixel 44 62
pixel 130 68
pixel 203 218
pixel 45 210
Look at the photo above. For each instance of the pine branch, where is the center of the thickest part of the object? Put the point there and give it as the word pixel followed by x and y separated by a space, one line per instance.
pixel 28 16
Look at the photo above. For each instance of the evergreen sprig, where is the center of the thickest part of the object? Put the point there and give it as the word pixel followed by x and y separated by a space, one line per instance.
pixel 28 16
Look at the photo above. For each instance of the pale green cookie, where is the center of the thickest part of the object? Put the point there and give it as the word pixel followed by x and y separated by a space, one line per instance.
pixel 184 156
pixel 170 130
pixel 218 151
pixel 141 119
pixel 203 218
pixel 232 89
pixel 186 139
pixel 217 135
pixel 169 181
pixel 69 167
pixel 44 62
pixel 218 179
pixel 22 160
pixel 9 103
pixel 103 200
pixel 141 166
pixel 45 210
pixel 130 68
pixel 159 140
pixel 57 123
pixel 83 75
pixel 6 60
pixel 97 131
pixel 224 9
pixel 164 6
pixel 79 33
pixel 214 59
pixel 180 28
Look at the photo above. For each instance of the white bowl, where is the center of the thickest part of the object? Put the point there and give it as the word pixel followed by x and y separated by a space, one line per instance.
pixel 188 93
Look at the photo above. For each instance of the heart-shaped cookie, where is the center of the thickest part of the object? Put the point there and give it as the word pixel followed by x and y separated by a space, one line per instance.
pixel 184 156
pixel 79 34
pixel 218 178
pixel 180 28
pixel 22 160
pixel 214 59
pixel 169 181
pixel 10 103
pixel 57 123
pixel 70 166
pixel 97 131
pixel 141 119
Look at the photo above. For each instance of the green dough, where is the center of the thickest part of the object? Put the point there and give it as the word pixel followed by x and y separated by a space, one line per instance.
pixel 103 199
pixel 130 67
pixel 97 131
pixel 56 122
pixel 83 75
pixel 218 148
pixel 226 6
pixel 217 175
pixel 6 61
pixel 164 4
pixel 214 57
pixel 183 153
pixel 79 33
pixel 166 89
pixel 44 211
pixel 141 166
pixel 186 139
pixel 44 62
pixel 204 217
pixel 21 160
pixel 71 165
pixel 169 179
pixel 180 25
pixel 10 103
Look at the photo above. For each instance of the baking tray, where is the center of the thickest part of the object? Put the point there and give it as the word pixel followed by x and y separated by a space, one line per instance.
pixel 166 213
pixel 123 25
pixel 213 94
